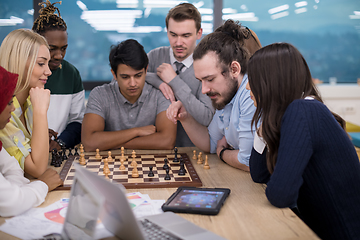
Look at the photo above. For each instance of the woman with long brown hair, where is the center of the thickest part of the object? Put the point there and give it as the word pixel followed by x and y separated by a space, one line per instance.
pixel 300 150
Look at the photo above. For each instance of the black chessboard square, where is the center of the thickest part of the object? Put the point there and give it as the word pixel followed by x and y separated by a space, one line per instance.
pixel 182 179
pixel 163 175
pixel 120 180
pixel 153 179
pixel 70 178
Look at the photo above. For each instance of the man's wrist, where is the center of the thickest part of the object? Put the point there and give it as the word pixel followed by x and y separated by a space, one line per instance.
pixel 60 142
pixel 222 152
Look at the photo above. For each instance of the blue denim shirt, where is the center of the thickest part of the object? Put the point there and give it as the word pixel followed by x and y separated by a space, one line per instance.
pixel 234 122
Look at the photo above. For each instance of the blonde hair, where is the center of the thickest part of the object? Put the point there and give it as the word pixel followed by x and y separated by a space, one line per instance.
pixel 18 50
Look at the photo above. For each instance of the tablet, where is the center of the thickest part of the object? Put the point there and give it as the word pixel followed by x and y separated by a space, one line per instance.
pixel 207 201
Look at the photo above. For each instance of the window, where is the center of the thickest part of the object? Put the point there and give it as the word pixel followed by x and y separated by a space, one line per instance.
pixel 327 33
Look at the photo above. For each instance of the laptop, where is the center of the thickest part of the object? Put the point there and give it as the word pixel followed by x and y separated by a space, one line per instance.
pixel 93 197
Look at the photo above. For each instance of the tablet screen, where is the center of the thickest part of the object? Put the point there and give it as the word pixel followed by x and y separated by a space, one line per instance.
pixel 197 199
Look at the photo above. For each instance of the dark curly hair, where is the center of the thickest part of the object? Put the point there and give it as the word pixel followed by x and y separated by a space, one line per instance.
pixel 48 19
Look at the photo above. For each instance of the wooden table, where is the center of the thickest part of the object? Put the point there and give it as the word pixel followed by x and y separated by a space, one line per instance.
pixel 246 214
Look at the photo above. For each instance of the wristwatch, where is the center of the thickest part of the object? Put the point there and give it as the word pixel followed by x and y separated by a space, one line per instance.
pixel 61 143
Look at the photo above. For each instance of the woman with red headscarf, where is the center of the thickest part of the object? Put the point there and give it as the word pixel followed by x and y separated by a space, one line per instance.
pixel 17 193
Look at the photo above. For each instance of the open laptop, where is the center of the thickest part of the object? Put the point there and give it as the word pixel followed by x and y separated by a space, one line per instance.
pixel 93 197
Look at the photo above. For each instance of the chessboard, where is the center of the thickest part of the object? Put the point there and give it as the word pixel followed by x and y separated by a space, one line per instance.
pixel 144 162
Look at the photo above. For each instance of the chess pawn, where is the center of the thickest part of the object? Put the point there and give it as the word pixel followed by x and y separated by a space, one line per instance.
pixel 199 161
pixel 106 164
pixel 106 169
pixel 110 159
pixel 206 165
pixel 133 154
pixel 122 166
pixel 167 175
pixel 82 159
pixel 194 156
pixel 122 154
pixel 76 151
pixel 151 173
pixel 133 163
pixel 135 172
pixel 97 156
pixel 70 152
pixel 107 172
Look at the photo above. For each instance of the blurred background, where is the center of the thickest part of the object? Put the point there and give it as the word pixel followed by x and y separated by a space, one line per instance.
pixel 327 32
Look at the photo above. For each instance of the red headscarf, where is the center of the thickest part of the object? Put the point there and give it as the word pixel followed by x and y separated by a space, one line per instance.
pixel 7 87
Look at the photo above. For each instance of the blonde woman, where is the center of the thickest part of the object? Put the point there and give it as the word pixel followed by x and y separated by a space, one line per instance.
pixel 25 137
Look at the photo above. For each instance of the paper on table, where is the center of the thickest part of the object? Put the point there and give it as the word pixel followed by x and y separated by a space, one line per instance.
pixel 36 223
pixel 149 207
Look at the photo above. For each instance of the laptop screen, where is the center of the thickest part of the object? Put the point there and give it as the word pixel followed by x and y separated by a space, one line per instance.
pixel 83 210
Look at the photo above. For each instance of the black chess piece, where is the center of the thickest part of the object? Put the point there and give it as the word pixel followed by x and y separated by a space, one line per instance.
pixel 57 160
pixel 176 158
pixel 64 157
pixel 57 164
pixel 70 152
pixel 167 176
pixel 53 157
pixel 76 152
pixel 183 164
pixel 151 173
pixel 166 166
pixel 182 170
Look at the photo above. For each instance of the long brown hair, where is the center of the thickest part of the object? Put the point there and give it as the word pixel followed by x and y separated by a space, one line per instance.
pixel 278 74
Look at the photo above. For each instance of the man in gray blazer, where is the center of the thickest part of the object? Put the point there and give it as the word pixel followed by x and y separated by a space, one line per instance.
pixel 171 67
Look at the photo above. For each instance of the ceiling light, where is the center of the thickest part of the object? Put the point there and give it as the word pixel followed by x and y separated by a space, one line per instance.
pixel 279 15
pixel 300 10
pixel 278 9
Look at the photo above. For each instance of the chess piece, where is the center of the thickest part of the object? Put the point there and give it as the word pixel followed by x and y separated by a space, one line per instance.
pixel 53 157
pixel 97 156
pixel 122 154
pixel 110 159
pixel 122 166
pixel 194 156
pixel 76 152
pixel 64 157
pixel 135 173
pixel 166 166
pixel 200 158
pixel 81 148
pixel 133 163
pixel 106 169
pixel 183 164
pixel 82 159
pixel 175 157
pixel 57 160
pixel 167 176
pixel 182 169
pixel 70 152
pixel 106 173
pixel 206 165
pixel 151 173
pixel 133 154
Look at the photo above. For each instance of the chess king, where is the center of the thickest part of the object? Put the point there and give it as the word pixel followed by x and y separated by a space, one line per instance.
pixel 127 112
